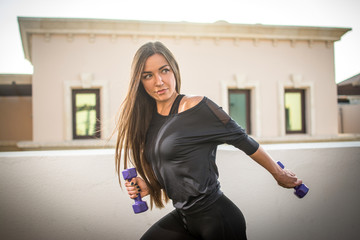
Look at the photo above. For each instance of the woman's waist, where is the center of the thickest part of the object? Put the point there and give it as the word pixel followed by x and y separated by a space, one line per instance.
pixel 198 203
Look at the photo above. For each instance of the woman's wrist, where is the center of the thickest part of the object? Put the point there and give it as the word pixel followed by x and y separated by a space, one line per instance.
pixel 278 174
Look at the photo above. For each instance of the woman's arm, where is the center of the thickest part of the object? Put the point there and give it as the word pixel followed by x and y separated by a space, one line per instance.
pixel 284 177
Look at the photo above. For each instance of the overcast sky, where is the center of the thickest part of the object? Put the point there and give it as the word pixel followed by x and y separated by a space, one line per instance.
pixel 322 13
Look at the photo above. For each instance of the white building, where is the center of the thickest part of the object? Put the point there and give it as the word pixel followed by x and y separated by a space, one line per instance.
pixel 277 81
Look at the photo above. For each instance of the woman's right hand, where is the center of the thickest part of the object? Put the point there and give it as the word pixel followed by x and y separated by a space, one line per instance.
pixel 135 186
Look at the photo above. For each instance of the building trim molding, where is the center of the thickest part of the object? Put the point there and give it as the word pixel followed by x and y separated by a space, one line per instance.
pixel 177 30
pixel 296 81
pixel 104 104
pixel 240 82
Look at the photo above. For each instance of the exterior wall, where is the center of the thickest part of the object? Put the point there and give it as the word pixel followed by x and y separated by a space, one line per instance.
pixel 349 116
pixel 15 109
pixel 206 64
pixel 59 61
pixel 15 118
pixel 75 194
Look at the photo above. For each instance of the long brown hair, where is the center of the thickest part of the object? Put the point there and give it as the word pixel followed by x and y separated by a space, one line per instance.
pixel 134 120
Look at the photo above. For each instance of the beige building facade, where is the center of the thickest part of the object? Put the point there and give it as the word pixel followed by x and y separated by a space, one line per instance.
pixel 15 108
pixel 216 60
pixel 349 105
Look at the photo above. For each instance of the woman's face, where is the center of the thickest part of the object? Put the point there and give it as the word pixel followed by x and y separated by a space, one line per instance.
pixel 158 79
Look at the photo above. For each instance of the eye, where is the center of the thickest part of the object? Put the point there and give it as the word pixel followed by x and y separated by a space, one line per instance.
pixel 146 76
pixel 165 70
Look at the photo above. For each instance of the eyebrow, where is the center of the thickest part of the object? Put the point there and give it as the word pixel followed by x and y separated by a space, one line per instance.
pixel 166 65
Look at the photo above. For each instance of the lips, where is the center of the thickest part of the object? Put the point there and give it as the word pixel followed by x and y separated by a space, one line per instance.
pixel 162 91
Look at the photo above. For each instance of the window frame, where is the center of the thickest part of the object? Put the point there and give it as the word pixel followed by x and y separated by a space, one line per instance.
pixel 303 110
pixel 97 134
pixel 247 93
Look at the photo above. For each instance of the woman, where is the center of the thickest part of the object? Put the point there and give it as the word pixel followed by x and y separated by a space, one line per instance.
pixel 171 139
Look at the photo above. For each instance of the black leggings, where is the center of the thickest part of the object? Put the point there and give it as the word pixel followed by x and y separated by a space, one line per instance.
pixel 221 220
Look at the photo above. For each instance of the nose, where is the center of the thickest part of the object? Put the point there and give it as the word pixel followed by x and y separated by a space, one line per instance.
pixel 158 80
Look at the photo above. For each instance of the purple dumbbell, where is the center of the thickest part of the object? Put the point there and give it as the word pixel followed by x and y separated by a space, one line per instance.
pixel 300 190
pixel 139 206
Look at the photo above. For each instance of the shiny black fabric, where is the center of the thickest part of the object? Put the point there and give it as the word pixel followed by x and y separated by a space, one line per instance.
pixel 222 220
pixel 181 149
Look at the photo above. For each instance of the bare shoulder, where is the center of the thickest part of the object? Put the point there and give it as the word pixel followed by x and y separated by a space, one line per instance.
pixel 188 102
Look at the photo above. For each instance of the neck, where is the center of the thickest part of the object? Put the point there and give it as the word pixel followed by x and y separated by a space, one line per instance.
pixel 163 107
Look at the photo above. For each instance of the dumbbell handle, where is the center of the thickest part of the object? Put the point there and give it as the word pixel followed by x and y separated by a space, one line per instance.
pixel 140 205
pixel 300 190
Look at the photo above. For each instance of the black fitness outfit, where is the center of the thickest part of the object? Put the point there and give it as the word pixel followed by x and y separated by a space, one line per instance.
pixel 181 149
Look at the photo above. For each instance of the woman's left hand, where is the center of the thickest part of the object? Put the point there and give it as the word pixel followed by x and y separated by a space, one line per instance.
pixel 287 179
pixel 284 177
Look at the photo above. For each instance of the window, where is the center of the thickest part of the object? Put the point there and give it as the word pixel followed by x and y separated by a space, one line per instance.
pixel 295 111
pixel 239 107
pixel 86 113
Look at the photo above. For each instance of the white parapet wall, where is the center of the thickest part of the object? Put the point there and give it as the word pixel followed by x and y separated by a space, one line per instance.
pixel 76 195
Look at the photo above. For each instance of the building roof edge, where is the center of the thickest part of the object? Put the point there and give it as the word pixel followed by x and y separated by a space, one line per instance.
pixel 219 29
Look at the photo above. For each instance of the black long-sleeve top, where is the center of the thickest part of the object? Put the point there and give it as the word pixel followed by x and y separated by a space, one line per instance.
pixel 181 149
